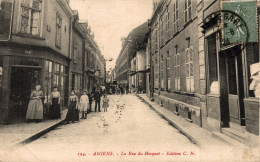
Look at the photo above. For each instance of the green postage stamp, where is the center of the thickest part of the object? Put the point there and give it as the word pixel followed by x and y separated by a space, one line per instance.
pixel 239 21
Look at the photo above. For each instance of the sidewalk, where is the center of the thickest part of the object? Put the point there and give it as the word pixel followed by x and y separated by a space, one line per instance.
pixel 198 135
pixel 16 134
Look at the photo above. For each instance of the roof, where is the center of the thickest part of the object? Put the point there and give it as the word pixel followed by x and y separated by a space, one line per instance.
pixel 138 34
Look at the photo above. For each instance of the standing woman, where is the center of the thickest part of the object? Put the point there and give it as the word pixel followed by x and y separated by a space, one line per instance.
pixel 55 102
pixel 72 115
pixel 84 103
pixel 35 107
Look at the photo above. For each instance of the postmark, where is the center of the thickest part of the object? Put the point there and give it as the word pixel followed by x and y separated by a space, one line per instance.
pixel 234 29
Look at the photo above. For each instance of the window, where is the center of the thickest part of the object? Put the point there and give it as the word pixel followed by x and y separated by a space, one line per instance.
pixel 48 81
pixel 177 69
pixel 30 17
pixel 175 16
pixel 187 11
pixel 167 18
pixel 156 73
pixel 212 87
pixel 161 30
pixel 161 74
pixel 75 51
pixel 168 73
pixel 189 68
pixel 58 31
pixel 252 58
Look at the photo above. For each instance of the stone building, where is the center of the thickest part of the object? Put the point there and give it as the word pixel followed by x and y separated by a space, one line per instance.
pixel 174 45
pixel 41 42
pixel 194 75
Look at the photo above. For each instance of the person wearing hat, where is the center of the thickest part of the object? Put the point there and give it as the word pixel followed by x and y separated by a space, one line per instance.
pixel 84 103
pixel 35 107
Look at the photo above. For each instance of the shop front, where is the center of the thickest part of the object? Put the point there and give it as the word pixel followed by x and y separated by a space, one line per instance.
pixel 21 69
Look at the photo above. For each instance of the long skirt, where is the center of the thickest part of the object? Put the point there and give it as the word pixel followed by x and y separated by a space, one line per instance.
pixel 35 109
pixel 84 106
pixel 72 114
pixel 55 109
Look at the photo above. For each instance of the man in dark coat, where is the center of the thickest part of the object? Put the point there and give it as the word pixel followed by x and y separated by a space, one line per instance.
pixel 90 98
pixel 97 96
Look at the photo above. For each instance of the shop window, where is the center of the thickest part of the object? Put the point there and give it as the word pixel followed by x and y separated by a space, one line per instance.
pixel 58 30
pixel 48 81
pixel 212 87
pixel 30 16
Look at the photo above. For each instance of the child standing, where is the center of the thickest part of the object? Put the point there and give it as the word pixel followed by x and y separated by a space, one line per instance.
pixel 105 103
pixel 84 103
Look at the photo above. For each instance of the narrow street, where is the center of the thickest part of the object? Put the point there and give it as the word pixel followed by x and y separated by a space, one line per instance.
pixel 128 126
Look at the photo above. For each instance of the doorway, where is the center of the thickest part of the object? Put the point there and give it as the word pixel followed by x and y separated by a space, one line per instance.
pixel 232 87
pixel 23 81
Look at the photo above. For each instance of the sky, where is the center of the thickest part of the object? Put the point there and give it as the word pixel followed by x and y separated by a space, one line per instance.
pixel 111 20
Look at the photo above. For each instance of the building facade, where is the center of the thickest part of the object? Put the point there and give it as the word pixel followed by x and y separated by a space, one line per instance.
pixel 131 62
pixel 41 43
pixel 193 75
pixel 227 103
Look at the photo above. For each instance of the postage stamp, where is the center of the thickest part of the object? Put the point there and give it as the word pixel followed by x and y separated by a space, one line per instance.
pixel 239 21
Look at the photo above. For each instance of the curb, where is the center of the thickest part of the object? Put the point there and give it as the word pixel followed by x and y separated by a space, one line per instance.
pixel 190 137
pixel 40 133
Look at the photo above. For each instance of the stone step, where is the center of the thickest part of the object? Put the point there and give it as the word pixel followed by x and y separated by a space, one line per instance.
pixel 238 127
pixel 239 136
pixel 226 139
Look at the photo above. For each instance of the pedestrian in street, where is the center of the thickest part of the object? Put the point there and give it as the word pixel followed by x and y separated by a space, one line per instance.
pixel 110 90
pixel 105 103
pixel 97 97
pixel 72 114
pixel 35 107
pixel 90 99
pixel 55 104
pixel 121 89
pixel 84 103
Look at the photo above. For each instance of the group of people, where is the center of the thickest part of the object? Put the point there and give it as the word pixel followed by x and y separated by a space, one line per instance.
pixel 118 89
pixel 83 105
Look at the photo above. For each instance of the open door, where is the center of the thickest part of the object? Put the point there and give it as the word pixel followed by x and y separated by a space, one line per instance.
pixel 233 86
